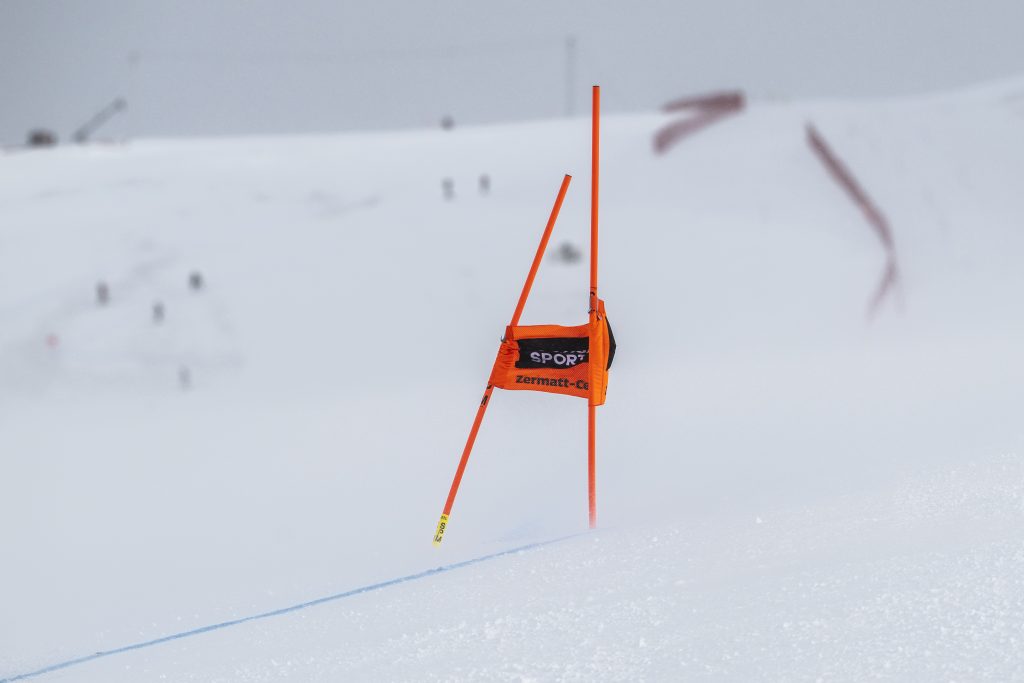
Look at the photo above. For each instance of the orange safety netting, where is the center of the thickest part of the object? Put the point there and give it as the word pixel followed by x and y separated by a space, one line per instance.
pixel 562 360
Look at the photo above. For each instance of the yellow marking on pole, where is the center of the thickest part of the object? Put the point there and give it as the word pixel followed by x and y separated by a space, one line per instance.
pixel 442 524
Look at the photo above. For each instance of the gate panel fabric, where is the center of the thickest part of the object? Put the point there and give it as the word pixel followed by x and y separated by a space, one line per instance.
pixel 555 358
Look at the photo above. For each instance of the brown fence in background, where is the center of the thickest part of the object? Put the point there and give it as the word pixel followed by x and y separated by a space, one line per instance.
pixel 705 110
pixel 842 175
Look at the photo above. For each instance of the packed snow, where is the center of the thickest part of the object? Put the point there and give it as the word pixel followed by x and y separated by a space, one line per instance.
pixel 787 489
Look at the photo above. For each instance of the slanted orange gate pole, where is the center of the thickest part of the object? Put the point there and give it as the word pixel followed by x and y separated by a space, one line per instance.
pixel 442 524
pixel 591 410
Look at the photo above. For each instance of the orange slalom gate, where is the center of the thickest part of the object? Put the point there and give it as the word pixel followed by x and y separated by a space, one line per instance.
pixel 572 361
pixel 596 309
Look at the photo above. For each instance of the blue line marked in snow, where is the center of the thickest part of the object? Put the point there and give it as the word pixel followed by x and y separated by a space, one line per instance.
pixel 285 610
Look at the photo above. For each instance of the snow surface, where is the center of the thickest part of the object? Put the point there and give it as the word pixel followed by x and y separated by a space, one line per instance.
pixel 786 491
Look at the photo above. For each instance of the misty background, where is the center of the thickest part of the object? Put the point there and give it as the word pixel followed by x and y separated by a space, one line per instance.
pixel 192 67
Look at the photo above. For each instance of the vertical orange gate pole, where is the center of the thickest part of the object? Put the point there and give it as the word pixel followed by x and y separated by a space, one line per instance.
pixel 442 524
pixel 591 410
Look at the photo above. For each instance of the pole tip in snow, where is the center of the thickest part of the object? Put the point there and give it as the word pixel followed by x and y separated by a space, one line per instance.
pixel 442 524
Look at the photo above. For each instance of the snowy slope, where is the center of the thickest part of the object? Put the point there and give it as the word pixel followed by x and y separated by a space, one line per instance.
pixel 785 490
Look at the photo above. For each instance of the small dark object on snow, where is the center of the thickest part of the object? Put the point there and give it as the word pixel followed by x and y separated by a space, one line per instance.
pixel 102 293
pixel 40 137
pixel 158 312
pixel 195 280
pixel 447 122
pixel 567 253
pixel 184 378
pixel 485 183
pixel 448 186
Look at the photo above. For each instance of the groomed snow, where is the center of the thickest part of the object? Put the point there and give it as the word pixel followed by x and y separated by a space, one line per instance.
pixel 786 491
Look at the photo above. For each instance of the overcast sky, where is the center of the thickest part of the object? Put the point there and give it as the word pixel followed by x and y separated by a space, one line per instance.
pixel 211 67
